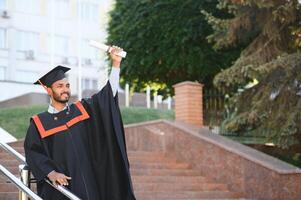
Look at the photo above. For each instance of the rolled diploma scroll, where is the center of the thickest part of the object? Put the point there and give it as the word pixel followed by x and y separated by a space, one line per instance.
pixel 106 48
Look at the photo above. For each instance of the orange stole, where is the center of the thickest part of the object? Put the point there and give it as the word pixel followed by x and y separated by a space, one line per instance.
pixel 45 133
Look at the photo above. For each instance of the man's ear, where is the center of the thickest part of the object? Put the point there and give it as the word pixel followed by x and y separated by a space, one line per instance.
pixel 49 91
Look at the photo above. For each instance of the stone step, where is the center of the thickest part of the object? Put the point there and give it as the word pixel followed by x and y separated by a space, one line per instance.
pixel 162 195
pixel 170 172
pixel 151 157
pixel 18 143
pixel 141 171
pixel 8 187
pixel 167 187
pixel 18 149
pixel 145 153
pixel 13 169
pixel 9 195
pixel 4 179
pixel 144 159
pixel 7 156
pixel 168 179
pixel 203 198
pixel 10 162
pixel 155 165
pixel 185 198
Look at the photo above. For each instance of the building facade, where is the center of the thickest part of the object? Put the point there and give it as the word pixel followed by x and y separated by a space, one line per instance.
pixel 37 35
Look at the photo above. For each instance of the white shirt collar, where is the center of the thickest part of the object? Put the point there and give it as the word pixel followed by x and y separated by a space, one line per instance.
pixel 52 109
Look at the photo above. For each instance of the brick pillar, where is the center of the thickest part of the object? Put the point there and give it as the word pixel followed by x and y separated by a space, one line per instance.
pixel 189 102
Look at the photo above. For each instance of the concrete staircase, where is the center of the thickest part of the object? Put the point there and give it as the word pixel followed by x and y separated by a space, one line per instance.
pixel 8 191
pixel 159 176
pixel 155 175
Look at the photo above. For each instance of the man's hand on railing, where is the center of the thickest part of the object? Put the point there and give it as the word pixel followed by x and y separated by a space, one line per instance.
pixel 58 178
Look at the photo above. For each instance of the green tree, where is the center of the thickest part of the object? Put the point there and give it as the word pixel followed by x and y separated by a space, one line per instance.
pixel 166 42
pixel 271 30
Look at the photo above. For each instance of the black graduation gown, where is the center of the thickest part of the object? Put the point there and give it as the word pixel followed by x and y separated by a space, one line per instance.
pixel 91 150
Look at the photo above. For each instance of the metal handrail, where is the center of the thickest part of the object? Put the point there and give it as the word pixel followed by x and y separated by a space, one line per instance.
pixel 19 184
pixel 21 158
pixel 64 191
pixel 13 152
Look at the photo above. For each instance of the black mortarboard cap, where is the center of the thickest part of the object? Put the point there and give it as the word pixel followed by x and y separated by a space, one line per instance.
pixel 57 73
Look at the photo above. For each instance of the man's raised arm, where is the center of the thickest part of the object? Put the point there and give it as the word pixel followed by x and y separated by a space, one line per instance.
pixel 114 76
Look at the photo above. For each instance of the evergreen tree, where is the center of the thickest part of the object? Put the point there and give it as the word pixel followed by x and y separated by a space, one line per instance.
pixel 265 80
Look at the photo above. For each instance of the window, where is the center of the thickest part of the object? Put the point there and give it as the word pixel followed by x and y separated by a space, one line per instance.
pixel 2 72
pixel 88 84
pixel 3 38
pixel 89 12
pixel 2 4
pixel 88 51
pixel 27 41
pixel 28 6
pixel 61 44
pixel 85 84
pixel 94 84
pixel 62 8
pixel 26 76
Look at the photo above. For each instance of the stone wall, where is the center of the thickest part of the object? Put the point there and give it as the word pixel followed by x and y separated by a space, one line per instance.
pixel 245 170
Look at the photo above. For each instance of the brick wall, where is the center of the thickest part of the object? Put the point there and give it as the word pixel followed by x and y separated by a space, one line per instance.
pixel 189 103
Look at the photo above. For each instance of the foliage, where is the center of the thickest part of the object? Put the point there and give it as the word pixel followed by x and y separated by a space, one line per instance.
pixel 271 30
pixel 166 42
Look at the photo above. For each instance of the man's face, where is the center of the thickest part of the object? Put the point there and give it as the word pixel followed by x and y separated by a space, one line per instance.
pixel 60 91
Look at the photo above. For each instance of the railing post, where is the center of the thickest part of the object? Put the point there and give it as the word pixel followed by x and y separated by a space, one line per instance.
pixel 155 99
pixel 148 97
pixel 169 99
pixel 24 183
pixel 127 95
pixel 24 177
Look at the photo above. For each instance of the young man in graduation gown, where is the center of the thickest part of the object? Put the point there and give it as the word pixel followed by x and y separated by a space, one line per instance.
pixel 80 145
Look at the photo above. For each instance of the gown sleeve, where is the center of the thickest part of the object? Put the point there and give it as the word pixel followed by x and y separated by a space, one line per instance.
pixel 107 145
pixel 100 103
pixel 37 159
pixel 114 80
pixel 104 110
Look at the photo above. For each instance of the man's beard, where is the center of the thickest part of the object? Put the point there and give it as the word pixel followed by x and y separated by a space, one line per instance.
pixel 57 97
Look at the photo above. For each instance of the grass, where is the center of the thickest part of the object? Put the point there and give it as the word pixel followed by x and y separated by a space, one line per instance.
pixel 136 114
pixel 247 139
pixel 16 120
